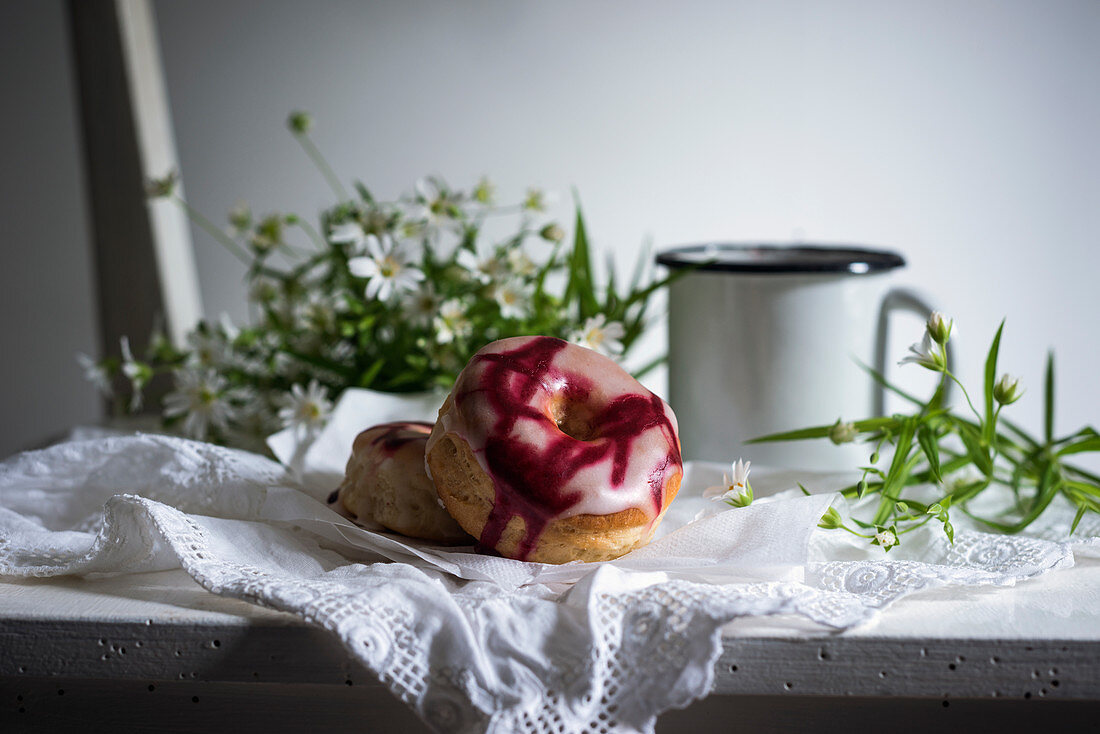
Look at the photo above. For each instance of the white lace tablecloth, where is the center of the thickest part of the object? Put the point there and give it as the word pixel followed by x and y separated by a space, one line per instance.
pixel 477 643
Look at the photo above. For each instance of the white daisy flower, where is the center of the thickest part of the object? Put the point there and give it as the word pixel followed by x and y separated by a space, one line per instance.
pixel 95 373
pixel 486 270
pixel 305 410
pixel 926 355
pixel 512 297
pixel 737 492
pixel 384 268
pixel 605 338
pixel 421 305
pixel 520 263
pixel 201 397
pixel 208 348
pixel 434 206
pixel 451 323
pixel 348 233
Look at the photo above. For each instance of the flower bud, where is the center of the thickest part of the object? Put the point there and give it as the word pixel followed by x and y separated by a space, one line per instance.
pixel 534 200
pixel 885 537
pixel 268 234
pixel 299 122
pixel 830 520
pixel 842 432
pixel 240 217
pixel 158 188
pixel 1007 390
pixel 552 233
pixel 939 327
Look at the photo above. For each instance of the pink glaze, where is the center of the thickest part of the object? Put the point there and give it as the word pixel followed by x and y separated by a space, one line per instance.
pixel 502 409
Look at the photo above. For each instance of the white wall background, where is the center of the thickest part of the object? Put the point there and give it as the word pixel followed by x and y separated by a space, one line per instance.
pixel 963 134
pixel 46 296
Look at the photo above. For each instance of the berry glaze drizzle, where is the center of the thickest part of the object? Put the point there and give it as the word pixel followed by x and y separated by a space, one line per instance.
pixel 534 464
pixel 395 435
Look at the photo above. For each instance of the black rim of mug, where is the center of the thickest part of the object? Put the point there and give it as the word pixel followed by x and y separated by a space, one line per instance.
pixel 780 259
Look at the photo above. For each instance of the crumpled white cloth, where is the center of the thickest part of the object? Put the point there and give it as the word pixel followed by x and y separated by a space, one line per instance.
pixel 475 643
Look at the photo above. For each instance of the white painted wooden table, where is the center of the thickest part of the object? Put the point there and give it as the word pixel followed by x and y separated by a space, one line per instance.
pixel 156 652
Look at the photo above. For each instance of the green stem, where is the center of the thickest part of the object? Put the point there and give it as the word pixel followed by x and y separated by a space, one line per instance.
pixel 212 230
pixel 853 532
pixel 965 395
pixel 993 451
pixel 312 233
pixel 911 528
pixel 322 165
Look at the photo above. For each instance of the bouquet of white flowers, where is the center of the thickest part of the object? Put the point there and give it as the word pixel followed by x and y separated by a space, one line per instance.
pixel 394 296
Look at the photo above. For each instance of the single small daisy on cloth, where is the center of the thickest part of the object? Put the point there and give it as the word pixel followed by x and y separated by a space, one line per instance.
pixel 735 493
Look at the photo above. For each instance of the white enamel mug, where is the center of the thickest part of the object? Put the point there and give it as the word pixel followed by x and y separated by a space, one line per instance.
pixel 765 338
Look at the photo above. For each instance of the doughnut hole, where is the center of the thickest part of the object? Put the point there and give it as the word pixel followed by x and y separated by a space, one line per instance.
pixel 573 418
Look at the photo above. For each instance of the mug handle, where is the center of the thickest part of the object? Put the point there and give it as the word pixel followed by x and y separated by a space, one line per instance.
pixel 899 299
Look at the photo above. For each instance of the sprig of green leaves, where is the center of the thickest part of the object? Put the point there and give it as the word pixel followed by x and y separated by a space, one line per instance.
pixel 936 446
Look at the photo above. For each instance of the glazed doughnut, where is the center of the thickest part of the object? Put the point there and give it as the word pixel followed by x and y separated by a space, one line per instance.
pixel 385 482
pixel 546 451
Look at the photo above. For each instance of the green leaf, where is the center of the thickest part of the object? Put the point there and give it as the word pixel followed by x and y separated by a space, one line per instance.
pixel 804 490
pixel 863 426
pixel 990 381
pixel 364 193
pixel 1089 444
pixel 642 263
pixel 973 441
pixel 899 471
pixel 1086 432
pixel 1082 487
pixel 649 367
pixel 931 449
pixel 880 379
pixel 1048 418
pixel 1081 472
pixel 368 375
pixel 1020 432
pixel 1077 518
pixel 580 286
pixel 949 531
pixel 611 296
pixel 316 361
